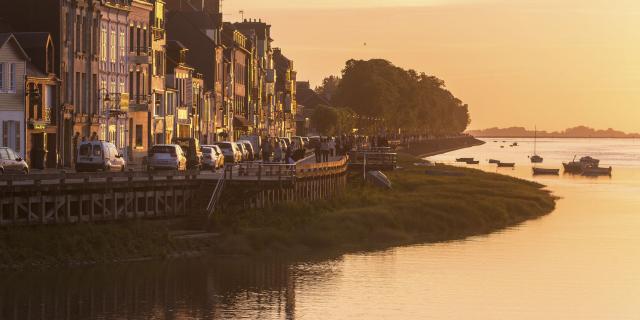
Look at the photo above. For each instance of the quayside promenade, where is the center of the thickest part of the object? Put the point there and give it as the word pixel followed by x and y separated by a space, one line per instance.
pixel 63 198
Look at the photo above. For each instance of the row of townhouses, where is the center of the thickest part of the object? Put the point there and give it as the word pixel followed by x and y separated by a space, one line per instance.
pixel 136 73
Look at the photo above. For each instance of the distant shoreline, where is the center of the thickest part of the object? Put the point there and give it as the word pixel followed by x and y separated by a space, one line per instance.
pixel 550 137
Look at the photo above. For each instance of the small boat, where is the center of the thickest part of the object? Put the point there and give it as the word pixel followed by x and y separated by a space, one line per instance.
pixel 515 144
pixel 502 147
pixel 494 161
pixel 473 162
pixel 535 158
pixel 589 161
pixel 543 171
pixel 506 165
pixel 580 166
pixel 378 179
pixel 465 159
pixel 573 167
pixel 597 171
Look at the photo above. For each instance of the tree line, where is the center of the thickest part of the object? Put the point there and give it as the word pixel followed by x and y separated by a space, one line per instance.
pixel 375 96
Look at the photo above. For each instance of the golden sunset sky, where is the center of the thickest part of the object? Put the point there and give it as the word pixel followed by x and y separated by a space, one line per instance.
pixel 550 63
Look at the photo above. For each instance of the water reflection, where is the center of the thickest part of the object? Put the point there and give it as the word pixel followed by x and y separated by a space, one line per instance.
pixel 205 288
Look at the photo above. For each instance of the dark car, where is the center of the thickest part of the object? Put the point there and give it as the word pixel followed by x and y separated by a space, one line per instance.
pixel 11 162
pixel 191 149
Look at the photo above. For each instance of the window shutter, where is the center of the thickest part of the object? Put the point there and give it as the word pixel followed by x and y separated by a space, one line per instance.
pixel 5 133
pixel 18 144
pixel 1 77
pixel 12 80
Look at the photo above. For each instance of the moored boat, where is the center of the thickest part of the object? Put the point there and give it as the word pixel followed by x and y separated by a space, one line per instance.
pixel 473 162
pixel 535 158
pixel 506 165
pixel 465 159
pixel 545 171
pixel 597 171
pixel 494 161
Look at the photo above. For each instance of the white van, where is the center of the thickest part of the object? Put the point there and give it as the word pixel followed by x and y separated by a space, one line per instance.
pixel 99 156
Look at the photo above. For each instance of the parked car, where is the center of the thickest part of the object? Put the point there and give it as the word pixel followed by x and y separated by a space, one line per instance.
pixel 167 157
pixel 283 143
pixel 250 150
pixel 298 142
pixel 288 141
pixel 212 157
pixel 191 149
pixel 232 153
pixel 11 162
pixel 96 156
pixel 243 149
pixel 256 143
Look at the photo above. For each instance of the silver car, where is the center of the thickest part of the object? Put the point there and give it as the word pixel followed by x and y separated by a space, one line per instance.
pixel 11 162
pixel 167 157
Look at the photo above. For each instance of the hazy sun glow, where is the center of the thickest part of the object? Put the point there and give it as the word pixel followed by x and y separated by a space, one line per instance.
pixel 551 63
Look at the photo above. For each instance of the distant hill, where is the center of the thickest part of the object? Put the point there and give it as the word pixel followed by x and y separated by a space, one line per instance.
pixel 576 132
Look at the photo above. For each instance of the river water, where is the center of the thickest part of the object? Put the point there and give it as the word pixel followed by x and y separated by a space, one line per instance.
pixel 580 262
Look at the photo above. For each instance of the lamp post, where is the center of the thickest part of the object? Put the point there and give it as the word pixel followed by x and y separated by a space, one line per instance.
pixel 106 102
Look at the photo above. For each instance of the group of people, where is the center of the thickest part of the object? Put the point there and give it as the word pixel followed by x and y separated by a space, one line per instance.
pixel 274 151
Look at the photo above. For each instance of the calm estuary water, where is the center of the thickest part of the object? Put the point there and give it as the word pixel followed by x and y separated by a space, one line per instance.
pixel 580 262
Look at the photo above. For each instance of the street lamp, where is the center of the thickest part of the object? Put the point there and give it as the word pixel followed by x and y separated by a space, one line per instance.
pixel 106 102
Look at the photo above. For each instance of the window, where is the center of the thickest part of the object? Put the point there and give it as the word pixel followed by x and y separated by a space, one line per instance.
pixel 122 45
pixel 103 45
pixel 138 135
pixel 11 135
pixel 131 38
pixel 12 78
pixel 1 77
pixel 144 41
pixel 78 33
pixel 112 47
pixel 122 86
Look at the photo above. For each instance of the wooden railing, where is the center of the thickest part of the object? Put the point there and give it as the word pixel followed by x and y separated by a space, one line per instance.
pixel 312 170
pixel 79 178
pixel 373 159
pixel 258 171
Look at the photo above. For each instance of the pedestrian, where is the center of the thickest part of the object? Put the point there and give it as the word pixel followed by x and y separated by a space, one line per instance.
pixel 324 147
pixel 266 150
pixel 289 154
pixel 332 146
pixel 277 156
pixel 317 150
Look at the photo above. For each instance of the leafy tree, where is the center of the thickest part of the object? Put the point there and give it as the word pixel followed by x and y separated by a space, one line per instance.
pixel 328 88
pixel 400 99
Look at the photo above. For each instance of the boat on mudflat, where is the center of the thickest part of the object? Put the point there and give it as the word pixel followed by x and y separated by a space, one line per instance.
pixel 494 161
pixel 597 171
pixel 545 171
pixel 473 162
pixel 465 159
pixel 506 165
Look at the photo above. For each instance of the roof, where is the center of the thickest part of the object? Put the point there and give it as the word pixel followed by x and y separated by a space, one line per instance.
pixel 29 40
pixel 6 37
pixel 307 97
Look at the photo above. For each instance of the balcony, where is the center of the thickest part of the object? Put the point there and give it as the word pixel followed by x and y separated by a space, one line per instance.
pixel 140 55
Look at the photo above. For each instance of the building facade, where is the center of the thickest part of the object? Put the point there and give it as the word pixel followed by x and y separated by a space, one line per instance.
pixel 13 68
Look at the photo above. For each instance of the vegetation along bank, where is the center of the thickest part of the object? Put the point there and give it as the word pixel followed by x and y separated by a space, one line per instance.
pixel 447 204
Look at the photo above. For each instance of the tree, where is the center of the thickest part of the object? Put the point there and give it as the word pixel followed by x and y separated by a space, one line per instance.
pixel 328 88
pixel 332 121
pixel 402 99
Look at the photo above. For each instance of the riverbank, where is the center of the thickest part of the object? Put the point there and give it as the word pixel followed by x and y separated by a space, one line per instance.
pixel 421 208
pixel 454 203
pixel 434 147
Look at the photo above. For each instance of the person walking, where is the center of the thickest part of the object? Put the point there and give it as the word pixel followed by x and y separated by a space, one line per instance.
pixel 277 156
pixel 317 150
pixel 266 151
pixel 324 148
pixel 332 146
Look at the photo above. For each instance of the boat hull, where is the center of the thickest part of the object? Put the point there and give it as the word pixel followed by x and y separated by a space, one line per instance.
pixel 542 171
